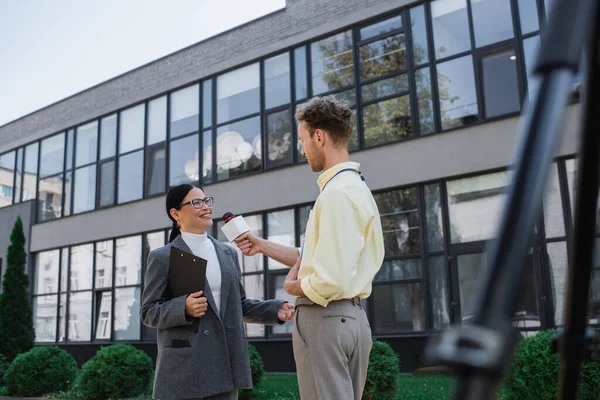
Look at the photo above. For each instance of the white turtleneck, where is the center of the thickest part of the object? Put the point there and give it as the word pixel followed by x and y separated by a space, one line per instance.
pixel 202 246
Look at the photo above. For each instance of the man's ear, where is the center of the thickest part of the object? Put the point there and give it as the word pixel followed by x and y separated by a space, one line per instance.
pixel 320 137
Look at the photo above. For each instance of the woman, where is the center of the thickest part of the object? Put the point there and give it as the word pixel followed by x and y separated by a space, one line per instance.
pixel 212 362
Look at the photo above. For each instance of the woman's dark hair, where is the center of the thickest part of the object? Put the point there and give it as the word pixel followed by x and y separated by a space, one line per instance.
pixel 175 197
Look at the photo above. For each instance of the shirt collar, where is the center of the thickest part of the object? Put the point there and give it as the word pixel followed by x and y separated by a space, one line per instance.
pixel 330 173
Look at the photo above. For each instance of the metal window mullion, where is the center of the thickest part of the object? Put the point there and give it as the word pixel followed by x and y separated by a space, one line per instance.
pixel 435 97
pixel 214 130
pixel 262 122
pixel 112 289
pixel 145 147
pixel 117 160
pixel 475 59
pixel 357 82
pixel 424 259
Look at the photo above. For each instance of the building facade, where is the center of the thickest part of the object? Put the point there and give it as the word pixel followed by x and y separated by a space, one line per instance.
pixel 436 88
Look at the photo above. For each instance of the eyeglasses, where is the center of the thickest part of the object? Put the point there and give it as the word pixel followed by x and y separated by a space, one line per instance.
pixel 197 203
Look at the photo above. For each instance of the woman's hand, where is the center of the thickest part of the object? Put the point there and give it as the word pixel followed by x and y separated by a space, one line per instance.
pixel 286 312
pixel 196 305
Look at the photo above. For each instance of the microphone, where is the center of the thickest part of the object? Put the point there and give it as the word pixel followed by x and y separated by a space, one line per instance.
pixel 234 226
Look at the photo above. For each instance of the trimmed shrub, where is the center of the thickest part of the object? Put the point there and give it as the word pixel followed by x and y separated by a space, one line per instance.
pixel 40 371
pixel 117 371
pixel 4 365
pixel 534 370
pixel 16 318
pixel 382 375
pixel 257 370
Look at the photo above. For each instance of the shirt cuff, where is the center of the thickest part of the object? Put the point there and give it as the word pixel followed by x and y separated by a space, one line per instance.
pixel 311 294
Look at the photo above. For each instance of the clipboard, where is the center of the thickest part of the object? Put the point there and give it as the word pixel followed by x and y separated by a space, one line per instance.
pixel 187 274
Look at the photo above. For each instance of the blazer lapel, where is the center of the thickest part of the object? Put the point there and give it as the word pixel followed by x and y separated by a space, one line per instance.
pixel 181 245
pixel 226 273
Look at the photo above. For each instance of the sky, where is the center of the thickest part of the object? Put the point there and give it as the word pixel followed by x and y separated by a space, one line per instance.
pixel 52 49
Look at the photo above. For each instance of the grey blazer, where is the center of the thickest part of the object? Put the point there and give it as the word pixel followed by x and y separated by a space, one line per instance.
pixel 217 359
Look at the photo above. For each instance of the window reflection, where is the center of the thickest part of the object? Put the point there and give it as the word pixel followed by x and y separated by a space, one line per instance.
pixel 103 315
pixel 157 120
pixel 52 157
pixel 108 136
pixel 387 121
pixel 277 80
pixel 82 261
pixel 400 308
pixel 85 189
pixel 107 183
pixel 127 309
pixel 131 129
pixel 381 27
pixel 184 160
pixel 87 144
pixel 279 131
pixel 184 111
pixel 50 198
pixel 44 318
pixel 500 83
pixel 450 27
pixel 400 221
pixel 332 63
pixel 7 176
pixel 492 21
pixel 300 73
pixel 131 170
pixel 104 264
pixel 433 214
pixel 238 93
pixel 80 317
pixel 156 169
pixel 30 172
pixel 382 57
pixel 398 270
pixel 46 272
pixel 254 285
pixel 239 148
pixel 419 35
pixel 280 226
pixel 456 89
pixel 439 292
pixel 276 283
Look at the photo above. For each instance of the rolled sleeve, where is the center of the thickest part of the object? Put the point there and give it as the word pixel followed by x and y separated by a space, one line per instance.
pixel 311 293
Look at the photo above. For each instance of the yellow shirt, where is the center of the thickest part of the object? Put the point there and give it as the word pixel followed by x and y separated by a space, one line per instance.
pixel 343 248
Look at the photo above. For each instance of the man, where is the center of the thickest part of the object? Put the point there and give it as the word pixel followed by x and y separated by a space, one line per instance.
pixel 342 252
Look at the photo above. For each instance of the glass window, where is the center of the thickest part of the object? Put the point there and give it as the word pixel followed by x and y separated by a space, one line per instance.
pixel 500 83
pixel 18 175
pixel 30 171
pixel 68 185
pixel 85 189
pixel 107 183
pixel 475 206
pixel 492 21
pixel 450 27
pixel 82 262
pixel 104 264
pixel 301 81
pixel 254 286
pixel 419 35
pixel 7 177
pixel 399 308
pixel 50 198
pixel 207 164
pixel 108 136
pixel 157 120
pixel 238 93
pixel 103 315
pixel 528 12
pixel 239 148
pixel 303 214
pixel 127 311
pixel 62 310
pixel 183 165
pixel 385 87
pixel 400 221
pixel 280 228
pixel 53 155
pixel 382 57
pixel 64 268
pixel 87 144
pixel 347 97
pixel 277 80
pixel 398 270
pixel 279 133
pixel 46 272
pixel 425 101
pixel 156 164
pixel 128 261
pixel 276 284
pixel 530 50
pixel 387 121
pixel 131 129
pixel 131 171
pixel 456 88
pixel 439 292
pixel 80 317
pixel 207 103
pixel 70 145
pixel 381 27
pixel 184 111
pixel 433 213
pixel 557 258
pixel 332 63
pixel 153 241
pixel 571 166
pixel 247 264
pixel 553 214
pixel 44 318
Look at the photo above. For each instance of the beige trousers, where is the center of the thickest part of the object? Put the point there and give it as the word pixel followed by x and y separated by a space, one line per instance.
pixel 331 349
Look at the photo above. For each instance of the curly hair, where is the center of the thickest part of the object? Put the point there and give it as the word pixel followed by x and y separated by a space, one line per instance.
pixel 329 115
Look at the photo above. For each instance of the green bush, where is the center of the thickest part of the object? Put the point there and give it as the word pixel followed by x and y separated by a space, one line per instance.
pixel 382 374
pixel 116 371
pixel 40 371
pixel 257 370
pixel 16 319
pixel 533 373
pixel 4 365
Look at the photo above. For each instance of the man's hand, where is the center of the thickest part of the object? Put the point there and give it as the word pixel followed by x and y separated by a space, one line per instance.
pixel 291 283
pixel 196 305
pixel 286 312
pixel 248 244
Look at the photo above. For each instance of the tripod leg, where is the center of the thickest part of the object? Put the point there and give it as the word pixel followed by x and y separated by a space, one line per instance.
pixel 573 341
